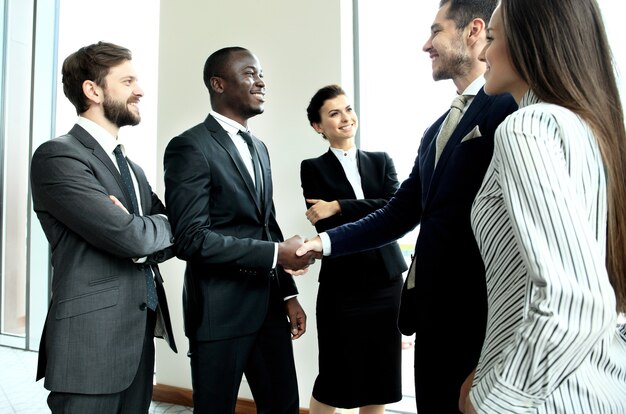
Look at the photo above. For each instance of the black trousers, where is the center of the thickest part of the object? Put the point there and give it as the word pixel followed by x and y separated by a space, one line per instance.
pixel 265 357
pixel 133 400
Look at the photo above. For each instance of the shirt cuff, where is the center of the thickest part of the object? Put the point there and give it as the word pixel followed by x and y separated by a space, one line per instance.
pixel 275 262
pixel 326 245
pixel 286 298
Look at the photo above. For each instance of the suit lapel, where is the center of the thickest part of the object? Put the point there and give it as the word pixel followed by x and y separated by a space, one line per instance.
pixel 335 170
pixel 469 120
pixel 144 192
pixel 223 139
pixel 89 142
pixel 366 167
pixel 427 156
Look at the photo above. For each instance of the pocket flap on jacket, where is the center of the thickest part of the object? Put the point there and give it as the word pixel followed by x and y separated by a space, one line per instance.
pixel 80 305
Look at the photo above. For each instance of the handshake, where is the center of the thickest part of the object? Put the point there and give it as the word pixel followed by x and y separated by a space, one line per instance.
pixel 296 254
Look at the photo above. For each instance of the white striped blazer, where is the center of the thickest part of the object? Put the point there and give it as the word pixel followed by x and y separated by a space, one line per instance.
pixel 553 342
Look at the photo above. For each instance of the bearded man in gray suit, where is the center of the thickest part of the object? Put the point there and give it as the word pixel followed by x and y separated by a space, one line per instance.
pixel 107 231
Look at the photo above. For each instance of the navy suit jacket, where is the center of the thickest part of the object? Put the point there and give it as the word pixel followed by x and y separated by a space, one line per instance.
pixel 324 178
pixel 449 302
pixel 223 231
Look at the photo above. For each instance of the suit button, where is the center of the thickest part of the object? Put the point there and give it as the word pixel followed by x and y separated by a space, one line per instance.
pixel 143 306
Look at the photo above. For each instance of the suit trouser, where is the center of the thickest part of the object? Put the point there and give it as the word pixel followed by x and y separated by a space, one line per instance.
pixel 133 400
pixel 440 373
pixel 266 358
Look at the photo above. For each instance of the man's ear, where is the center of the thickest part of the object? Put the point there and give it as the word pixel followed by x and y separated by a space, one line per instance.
pixel 476 30
pixel 217 84
pixel 93 92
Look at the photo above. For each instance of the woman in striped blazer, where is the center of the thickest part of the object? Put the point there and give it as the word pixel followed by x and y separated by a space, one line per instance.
pixel 550 218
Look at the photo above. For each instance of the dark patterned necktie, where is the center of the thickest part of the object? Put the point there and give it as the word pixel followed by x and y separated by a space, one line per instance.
pixel 151 298
pixel 255 164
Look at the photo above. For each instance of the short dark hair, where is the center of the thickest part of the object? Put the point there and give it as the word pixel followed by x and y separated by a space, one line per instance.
pixel 317 101
pixel 462 12
pixel 216 63
pixel 93 63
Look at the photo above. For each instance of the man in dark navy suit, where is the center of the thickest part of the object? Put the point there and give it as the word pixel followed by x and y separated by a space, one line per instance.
pixel 447 306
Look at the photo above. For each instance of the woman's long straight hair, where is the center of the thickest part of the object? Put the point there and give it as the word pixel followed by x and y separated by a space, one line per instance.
pixel 560 49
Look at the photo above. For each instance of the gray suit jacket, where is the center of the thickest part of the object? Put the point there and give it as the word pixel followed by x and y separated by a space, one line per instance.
pixel 96 322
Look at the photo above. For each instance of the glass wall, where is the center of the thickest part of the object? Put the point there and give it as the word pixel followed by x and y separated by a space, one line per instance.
pixel 26 108
pixel 35 38
pixel 15 161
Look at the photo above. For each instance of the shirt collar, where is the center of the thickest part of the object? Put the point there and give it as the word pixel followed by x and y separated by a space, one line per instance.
pixel 344 154
pixel 529 98
pixel 107 141
pixel 474 87
pixel 231 126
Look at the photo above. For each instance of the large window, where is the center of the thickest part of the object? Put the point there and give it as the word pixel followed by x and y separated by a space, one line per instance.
pixel 35 37
pixel 25 109
pixel 132 24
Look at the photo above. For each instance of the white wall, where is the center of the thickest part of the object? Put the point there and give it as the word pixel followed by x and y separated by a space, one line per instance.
pixel 300 49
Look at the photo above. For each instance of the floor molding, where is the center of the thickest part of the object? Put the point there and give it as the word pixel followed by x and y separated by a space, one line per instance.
pixel 182 396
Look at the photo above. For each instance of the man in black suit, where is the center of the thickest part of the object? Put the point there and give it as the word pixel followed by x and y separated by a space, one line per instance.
pixel 97 348
pixel 236 293
pixel 447 308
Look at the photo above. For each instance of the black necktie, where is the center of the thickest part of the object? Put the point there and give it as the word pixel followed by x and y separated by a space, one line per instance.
pixel 255 164
pixel 151 297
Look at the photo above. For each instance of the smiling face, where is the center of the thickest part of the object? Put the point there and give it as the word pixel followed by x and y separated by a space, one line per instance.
pixel 338 122
pixel 121 95
pixel 500 76
pixel 447 50
pixel 240 87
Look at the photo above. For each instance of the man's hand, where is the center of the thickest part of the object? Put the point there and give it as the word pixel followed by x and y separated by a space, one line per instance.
pixel 311 246
pixel 297 317
pixel 321 209
pixel 118 203
pixel 289 261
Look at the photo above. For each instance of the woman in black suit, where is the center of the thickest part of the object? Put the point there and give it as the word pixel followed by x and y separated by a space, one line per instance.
pixel 359 294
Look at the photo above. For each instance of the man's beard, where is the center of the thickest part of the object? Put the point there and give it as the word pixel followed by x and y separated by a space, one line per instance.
pixel 453 66
pixel 118 113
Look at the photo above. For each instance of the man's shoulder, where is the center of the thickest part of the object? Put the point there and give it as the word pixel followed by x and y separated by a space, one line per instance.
pixel 62 144
pixel 501 102
pixel 196 130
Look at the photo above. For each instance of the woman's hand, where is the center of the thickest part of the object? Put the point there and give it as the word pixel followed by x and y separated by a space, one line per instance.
pixel 321 209
pixel 465 405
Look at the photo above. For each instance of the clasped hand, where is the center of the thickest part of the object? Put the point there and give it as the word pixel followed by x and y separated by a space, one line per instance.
pixel 292 263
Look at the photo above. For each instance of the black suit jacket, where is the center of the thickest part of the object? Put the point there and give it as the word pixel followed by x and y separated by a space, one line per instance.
pixel 96 323
pixel 449 302
pixel 224 233
pixel 324 178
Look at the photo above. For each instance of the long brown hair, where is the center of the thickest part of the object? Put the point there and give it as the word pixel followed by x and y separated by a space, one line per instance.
pixel 560 49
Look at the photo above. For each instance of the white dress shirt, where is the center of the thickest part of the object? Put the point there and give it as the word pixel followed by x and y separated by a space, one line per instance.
pixel 348 162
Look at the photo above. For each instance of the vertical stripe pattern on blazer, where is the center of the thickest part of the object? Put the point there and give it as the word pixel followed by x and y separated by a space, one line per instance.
pixel 553 342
